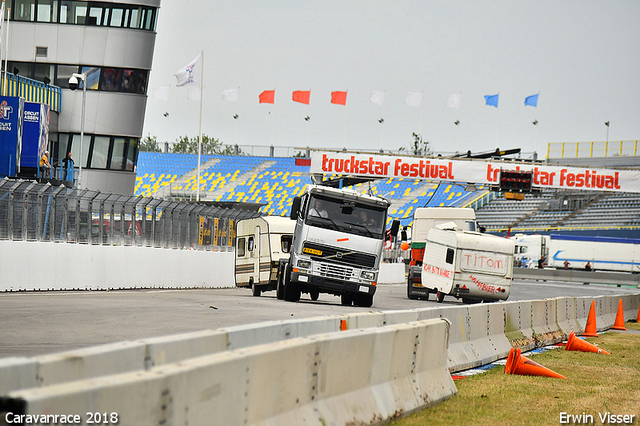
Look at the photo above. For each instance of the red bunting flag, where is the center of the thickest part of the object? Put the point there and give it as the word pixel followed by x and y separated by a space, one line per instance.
pixel 339 98
pixel 267 97
pixel 302 96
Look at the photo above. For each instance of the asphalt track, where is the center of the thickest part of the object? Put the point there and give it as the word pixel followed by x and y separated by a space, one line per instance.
pixel 35 323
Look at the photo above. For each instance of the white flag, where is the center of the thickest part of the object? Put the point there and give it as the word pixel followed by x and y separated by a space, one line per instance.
pixel 1 20
pixel 161 93
pixel 413 99
pixel 230 95
pixel 377 97
pixel 454 101
pixel 189 74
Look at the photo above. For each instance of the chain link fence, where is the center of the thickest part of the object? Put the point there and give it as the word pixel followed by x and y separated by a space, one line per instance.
pixel 30 211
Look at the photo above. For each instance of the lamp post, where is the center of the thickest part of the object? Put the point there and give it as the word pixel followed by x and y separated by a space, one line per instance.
pixel 73 85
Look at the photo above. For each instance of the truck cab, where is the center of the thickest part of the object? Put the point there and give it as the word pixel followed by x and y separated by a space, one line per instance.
pixel 337 245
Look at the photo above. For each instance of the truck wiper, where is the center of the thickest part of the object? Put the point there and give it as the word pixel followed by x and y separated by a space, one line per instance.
pixel 326 218
pixel 360 226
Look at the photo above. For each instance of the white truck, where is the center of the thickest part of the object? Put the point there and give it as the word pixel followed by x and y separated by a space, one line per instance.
pixel 602 253
pixel 425 218
pixel 337 246
pixel 260 244
pixel 468 265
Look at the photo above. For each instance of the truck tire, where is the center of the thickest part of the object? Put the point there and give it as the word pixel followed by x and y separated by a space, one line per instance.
pixel 346 300
pixel 314 294
pixel 291 289
pixel 364 300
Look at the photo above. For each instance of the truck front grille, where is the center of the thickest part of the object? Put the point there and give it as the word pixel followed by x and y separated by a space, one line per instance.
pixel 334 272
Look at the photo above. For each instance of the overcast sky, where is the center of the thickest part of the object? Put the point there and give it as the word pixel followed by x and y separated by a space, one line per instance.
pixel 582 56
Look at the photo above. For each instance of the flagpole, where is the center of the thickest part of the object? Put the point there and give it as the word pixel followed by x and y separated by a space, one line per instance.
pixel 200 125
pixel 382 123
pixel 273 113
pixel 1 38
pixel 535 146
pixel 344 141
pixel 6 57
pixel 458 125
pixel 497 124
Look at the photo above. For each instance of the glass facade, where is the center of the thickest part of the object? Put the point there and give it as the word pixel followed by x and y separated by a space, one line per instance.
pixel 84 13
pixel 98 152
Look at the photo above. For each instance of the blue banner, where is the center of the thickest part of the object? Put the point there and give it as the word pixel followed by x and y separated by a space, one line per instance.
pixel 35 133
pixel 11 110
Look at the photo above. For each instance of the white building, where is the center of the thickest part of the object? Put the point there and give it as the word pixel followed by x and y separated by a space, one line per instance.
pixel 112 42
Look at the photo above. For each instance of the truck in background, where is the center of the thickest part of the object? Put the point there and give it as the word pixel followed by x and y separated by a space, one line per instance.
pixel 260 245
pixel 603 253
pixel 425 218
pixel 469 265
pixel 337 246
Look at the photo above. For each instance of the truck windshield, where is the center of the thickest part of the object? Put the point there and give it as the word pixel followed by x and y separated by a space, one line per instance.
pixel 346 216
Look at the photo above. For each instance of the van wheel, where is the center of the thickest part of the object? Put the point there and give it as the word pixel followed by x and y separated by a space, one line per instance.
pixel 440 297
pixel 280 284
pixel 291 289
pixel 314 295
pixel 255 290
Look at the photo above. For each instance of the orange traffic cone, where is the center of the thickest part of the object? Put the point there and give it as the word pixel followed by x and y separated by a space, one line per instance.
pixel 638 319
pixel 520 364
pixel 577 344
pixel 590 329
pixel 619 322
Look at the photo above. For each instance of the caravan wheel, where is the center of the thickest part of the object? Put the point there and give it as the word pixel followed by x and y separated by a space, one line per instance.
pixel 440 297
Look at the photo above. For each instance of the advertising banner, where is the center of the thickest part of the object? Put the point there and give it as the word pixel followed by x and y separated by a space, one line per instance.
pixel 35 133
pixel 471 171
pixel 11 112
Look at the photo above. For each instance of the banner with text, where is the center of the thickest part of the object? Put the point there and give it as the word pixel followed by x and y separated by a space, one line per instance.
pixel 471 171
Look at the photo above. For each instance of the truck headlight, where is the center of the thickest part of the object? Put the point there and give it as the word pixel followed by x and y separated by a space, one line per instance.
pixel 368 275
pixel 304 264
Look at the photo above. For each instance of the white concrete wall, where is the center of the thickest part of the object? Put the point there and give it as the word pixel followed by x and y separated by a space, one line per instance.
pixel 61 266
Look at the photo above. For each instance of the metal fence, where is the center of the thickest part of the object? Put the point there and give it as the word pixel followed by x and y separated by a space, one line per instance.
pixel 30 211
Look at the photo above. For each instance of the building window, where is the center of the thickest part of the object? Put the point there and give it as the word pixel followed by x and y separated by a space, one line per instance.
pixel 85 13
pixel 99 152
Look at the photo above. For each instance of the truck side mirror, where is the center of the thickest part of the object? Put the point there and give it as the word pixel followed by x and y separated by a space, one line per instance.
pixel 295 208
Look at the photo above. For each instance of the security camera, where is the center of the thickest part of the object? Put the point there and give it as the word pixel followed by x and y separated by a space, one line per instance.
pixel 73 82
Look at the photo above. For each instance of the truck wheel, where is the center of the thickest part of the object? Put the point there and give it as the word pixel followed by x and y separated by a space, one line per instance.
pixel 346 300
pixel 314 295
pixel 291 289
pixel 440 297
pixel 364 300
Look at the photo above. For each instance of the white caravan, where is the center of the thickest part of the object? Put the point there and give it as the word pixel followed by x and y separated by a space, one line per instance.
pixel 261 243
pixel 468 265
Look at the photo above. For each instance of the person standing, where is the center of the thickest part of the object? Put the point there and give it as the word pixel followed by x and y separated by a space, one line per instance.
pixel 45 166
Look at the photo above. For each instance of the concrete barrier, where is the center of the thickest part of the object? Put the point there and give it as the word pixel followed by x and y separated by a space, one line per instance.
pixel 517 326
pixel 544 324
pixel 357 377
pixel 51 266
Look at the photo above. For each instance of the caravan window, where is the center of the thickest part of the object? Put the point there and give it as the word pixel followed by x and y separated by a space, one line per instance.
pixel 285 243
pixel 240 249
pixel 449 258
pixel 250 244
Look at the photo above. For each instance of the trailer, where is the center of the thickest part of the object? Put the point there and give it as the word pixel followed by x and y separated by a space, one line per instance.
pixel 424 219
pixel 260 245
pixel 468 265
pixel 602 253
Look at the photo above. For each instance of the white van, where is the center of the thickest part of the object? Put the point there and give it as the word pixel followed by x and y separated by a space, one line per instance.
pixel 260 244
pixel 468 265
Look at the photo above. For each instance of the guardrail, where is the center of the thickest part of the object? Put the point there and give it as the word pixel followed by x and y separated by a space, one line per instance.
pixel 294 372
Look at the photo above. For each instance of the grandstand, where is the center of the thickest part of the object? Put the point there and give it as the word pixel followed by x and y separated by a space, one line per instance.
pixel 274 181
